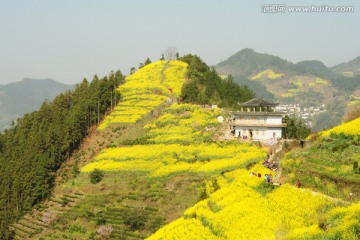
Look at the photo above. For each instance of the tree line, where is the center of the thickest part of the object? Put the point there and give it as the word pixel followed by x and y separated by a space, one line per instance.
pixel 38 143
pixel 295 128
pixel 205 86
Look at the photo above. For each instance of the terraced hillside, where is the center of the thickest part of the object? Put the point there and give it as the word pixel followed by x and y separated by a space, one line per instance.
pixel 243 206
pixel 329 164
pixel 165 177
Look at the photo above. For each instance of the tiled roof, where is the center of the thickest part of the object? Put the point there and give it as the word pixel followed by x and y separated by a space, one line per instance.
pixel 257 102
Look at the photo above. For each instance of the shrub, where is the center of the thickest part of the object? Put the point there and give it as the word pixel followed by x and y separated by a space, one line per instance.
pixel 155 223
pixel 77 228
pixel 96 176
pixel 65 201
pixel 100 220
pixel 135 218
pixel 88 215
pixel 355 165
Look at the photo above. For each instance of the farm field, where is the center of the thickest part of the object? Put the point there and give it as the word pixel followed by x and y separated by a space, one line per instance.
pixel 245 207
pixel 175 181
pixel 178 142
pixel 330 164
pixel 145 90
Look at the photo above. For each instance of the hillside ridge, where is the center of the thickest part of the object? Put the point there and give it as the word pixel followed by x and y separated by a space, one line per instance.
pixel 166 175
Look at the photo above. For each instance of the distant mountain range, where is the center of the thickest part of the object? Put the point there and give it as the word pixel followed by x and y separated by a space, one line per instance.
pixel 247 62
pixel 308 83
pixel 349 69
pixel 25 96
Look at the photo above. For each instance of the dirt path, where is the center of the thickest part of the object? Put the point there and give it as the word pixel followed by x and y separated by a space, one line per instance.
pixel 277 156
pixel 326 196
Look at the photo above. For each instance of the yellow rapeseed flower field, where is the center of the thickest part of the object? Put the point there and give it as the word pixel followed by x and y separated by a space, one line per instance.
pixel 239 210
pixel 269 74
pixel 351 128
pixel 145 90
pixel 242 206
pixel 160 160
pixel 178 147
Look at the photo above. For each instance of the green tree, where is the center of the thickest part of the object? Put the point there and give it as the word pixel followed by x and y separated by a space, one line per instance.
pixel 40 142
pixel 96 176
pixel 147 61
pixel 295 128
pixel 205 86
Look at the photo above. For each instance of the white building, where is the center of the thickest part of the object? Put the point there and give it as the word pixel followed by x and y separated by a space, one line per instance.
pixel 258 121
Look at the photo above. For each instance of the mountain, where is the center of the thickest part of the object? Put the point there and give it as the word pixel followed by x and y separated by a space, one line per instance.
pixel 57 144
pixel 349 69
pixel 160 168
pixel 247 61
pixel 26 96
pixel 288 82
pixel 315 68
pixel 308 83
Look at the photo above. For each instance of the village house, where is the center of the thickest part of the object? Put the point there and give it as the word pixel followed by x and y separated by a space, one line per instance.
pixel 257 120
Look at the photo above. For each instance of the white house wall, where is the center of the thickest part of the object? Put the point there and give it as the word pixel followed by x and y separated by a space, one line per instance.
pixel 274 119
pixel 259 133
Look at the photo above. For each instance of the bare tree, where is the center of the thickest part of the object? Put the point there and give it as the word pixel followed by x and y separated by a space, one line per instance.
pixel 170 53
pixel 105 231
pixel 352 113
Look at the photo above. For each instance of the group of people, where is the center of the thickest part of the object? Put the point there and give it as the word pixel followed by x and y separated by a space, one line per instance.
pixel 268 177
pixel 271 165
pixel 255 174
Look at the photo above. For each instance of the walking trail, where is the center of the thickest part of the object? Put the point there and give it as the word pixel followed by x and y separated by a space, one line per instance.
pixel 278 155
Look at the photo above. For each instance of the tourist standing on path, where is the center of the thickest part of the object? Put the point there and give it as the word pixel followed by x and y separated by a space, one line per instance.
pixel 298 184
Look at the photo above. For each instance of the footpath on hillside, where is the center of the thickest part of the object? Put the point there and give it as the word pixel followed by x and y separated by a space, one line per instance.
pixel 275 158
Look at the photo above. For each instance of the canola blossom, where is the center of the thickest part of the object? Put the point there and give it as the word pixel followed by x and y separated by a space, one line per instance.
pixel 184 123
pixel 269 74
pixel 160 160
pixel 351 128
pixel 240 210
pixel 145 90
pixel 178 147
pixel 240 206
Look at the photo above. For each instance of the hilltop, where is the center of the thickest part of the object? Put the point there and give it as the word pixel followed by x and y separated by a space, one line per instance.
pixel 349 69
pixel 162 174
pixel 308 83
pixel 26 96
pixel 246 62
pixel 64 140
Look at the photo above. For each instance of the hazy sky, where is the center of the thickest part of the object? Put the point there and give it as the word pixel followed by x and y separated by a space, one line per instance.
pixel 68 40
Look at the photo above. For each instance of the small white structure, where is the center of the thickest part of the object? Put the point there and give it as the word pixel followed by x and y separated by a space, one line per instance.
pixel 258 122
pixel 220 119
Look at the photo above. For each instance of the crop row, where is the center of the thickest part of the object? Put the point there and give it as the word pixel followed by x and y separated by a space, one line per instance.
pixel 238 210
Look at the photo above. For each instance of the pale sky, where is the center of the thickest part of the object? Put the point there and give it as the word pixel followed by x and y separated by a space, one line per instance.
pixel 68 40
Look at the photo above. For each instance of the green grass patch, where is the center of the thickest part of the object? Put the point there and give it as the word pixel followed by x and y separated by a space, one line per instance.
pixel 327 167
